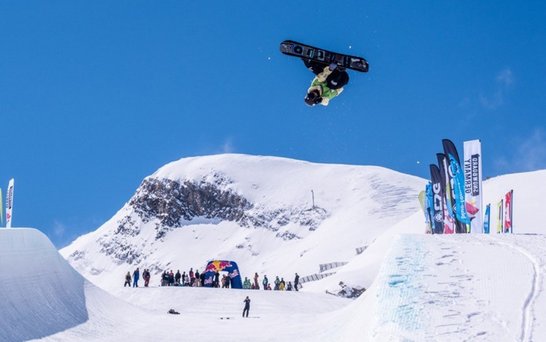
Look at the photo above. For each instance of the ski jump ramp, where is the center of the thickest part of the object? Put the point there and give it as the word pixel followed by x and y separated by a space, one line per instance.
pixel 41 293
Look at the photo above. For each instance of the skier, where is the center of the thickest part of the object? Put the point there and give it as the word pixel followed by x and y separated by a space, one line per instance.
pixel 247 306
pixel 127 279
pixel 327 84
pixel 296 282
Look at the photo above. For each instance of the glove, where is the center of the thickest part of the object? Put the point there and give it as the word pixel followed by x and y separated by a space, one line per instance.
pixel 318 100
pixel 332 66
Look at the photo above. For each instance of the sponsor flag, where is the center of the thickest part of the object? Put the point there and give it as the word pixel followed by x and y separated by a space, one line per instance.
pixel 425 199
pixel 449 215
pixel 456 180
pixel 422 201
pixel 473 184
pixel 487 219
pixel 499 217
pixel 9 203
pixel 508 210
pixel 437 200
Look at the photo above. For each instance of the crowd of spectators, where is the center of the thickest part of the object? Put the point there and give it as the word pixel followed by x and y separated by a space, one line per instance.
pixel 196 279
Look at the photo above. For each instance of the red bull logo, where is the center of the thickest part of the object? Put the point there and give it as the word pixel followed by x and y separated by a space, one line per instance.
pixel 218 265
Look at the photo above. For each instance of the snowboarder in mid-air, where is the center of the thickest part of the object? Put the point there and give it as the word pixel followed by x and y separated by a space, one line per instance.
pixel 327 84
pixel 328 67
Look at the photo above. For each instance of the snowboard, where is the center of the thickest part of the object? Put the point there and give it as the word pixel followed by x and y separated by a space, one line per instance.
pixel 292 48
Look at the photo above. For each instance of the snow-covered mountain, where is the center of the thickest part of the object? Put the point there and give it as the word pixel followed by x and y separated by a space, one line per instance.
pixel 419 287
pixel 273 216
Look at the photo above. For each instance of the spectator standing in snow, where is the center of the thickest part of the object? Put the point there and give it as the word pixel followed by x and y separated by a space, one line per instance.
pixel 246 283
pixel 177 277
pixel 184 278
pixel 136 275
pixel 247 306
pixel 146 276
pixel 192 277
pixel 296 282
pixel 216 279
pixel 127 279
pixel 202 279
pixel 265 282
pixel 256 284
pixel 197 279
pixel 289 286
pixel 282 284
pixel 171 278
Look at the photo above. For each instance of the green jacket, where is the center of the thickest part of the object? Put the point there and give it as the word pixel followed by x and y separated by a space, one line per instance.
pixel 319 83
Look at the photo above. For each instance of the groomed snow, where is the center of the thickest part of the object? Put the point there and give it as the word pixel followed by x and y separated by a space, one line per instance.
pixel 420 288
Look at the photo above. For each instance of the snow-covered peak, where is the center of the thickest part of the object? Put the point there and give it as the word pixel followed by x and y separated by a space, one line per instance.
pixel 273 215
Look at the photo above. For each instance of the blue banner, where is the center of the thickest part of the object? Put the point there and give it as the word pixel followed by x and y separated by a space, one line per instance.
pixel 486 219
pixel 458 190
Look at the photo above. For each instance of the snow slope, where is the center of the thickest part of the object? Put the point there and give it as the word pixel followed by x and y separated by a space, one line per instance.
pixel 420 287
pixel 431 288
pixel 35 283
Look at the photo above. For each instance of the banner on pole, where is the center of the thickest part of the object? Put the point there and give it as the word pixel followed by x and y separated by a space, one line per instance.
pixel 437 200
pixel 449 214
pixel 423 200
pixel 473 184
pixel 456 180
pixel 486 219
pixel 508 206
pixel 9 203
pixel 499 217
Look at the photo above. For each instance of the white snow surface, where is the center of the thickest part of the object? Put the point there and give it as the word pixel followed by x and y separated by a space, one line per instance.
pixel 419 287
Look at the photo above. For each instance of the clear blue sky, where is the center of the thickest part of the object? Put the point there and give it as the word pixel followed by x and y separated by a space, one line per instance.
pixel 96 95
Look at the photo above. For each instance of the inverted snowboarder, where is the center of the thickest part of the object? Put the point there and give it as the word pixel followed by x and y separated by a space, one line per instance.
pixel 329 68
pixel 327 84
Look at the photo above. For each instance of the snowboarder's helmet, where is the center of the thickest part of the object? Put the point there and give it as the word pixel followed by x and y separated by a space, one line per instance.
pixel 313 98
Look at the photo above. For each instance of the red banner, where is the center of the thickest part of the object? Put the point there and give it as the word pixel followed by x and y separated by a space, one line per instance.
pixel 508 199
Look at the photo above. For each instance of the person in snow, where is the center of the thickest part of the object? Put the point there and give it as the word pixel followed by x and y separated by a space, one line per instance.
pixel 247 306
pixel 265 282
pixel 127 279
pixel 327 84
pixel 256 283
pixel 216 279
pixel 136 275
pixel 192 276
pixel 146 275
pixel 177 277
pixel 246 284
pixel 296 282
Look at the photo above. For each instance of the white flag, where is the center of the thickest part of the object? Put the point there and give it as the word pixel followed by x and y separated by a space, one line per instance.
pixel 473 184
pixel 9 203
